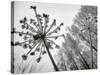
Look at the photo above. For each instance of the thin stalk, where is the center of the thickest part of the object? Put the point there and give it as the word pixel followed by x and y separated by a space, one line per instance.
pixel 54 65
pixel 32 48
pixel 45 27
pixel 51 26
pixel 31 28
pixel 38 20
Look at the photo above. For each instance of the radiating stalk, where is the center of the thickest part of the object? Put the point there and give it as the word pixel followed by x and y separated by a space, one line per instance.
pixel 32 48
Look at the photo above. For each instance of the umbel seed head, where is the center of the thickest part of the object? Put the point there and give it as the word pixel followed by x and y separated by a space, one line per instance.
pixel 40 37
pixel 32 53
pixel 21 21
pixel 45 15
pixel 33 7
pixel 24 57
pixel 61 24
pixel 25 19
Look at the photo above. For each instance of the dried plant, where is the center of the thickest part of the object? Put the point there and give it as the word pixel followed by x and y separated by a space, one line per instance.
pixel 38 36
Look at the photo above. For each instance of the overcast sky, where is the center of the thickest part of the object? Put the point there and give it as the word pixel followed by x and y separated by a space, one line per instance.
pixel 61 12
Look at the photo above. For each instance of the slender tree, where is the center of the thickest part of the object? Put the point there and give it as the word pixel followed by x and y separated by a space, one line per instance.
pixel 80 45
pixel 86 21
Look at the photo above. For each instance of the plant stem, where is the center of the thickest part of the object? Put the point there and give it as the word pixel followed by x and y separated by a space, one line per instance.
pixel 54 65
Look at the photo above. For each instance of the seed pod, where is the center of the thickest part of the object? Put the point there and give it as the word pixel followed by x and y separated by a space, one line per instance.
pixel 34 7
pixel 21 21
pixel 61 24
pixel 25 46
pixel 38 59
pixel 23 26
pixel 43 52
pixel 32 53
pixel 17 43
pixel 20 34
pixel 24 57
pixel 54 22
pixel 25 19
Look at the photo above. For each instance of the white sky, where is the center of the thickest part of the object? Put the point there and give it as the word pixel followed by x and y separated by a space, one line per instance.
pixel 61 12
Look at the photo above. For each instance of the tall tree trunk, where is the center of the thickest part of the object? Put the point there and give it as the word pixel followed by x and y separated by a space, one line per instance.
pixel 90 42
pixel 75 64
pixel 54 65
pixel 91 48
pixel 73 60
pixel 94 48
pixel 86 64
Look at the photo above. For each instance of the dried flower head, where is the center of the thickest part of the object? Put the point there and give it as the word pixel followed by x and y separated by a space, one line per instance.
pixel 39 35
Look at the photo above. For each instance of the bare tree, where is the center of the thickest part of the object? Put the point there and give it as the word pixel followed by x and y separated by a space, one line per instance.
pixel 81 40
pixel 86 23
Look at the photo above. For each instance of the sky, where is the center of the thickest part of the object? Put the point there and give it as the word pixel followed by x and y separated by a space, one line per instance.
pixel 61 12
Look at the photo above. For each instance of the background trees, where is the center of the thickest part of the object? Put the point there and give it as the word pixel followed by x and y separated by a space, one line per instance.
pixel 80 46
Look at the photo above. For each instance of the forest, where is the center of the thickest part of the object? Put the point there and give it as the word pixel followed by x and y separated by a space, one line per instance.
pixel 80 47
